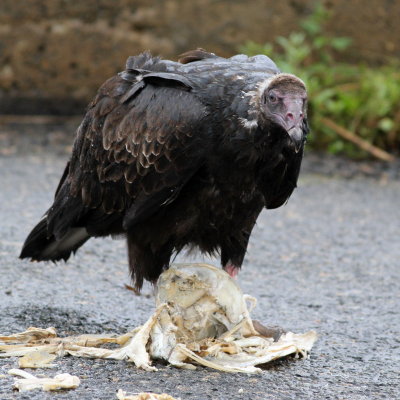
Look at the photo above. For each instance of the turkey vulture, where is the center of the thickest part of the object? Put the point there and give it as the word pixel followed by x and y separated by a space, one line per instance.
pixel 174 154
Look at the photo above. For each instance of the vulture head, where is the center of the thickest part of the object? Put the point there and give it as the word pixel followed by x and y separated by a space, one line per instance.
pixel 282 101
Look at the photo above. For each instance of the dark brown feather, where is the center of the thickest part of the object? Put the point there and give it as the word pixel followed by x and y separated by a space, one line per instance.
pixel 195 55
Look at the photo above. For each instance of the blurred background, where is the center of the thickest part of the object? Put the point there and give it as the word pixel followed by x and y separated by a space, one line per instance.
pixel 54 54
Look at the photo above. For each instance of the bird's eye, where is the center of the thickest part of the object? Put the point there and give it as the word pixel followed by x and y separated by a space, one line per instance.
pixel 272 98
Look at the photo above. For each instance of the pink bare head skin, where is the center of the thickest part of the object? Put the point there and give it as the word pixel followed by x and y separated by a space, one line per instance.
pixel 284 101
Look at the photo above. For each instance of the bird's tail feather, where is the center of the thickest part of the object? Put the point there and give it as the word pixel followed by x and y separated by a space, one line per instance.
pixel 40 246
pixel 59 232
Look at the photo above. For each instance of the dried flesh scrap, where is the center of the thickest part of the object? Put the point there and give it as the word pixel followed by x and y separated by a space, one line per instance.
pixel 121 395
pixel 37 359
pixel 202 318
pixel 28 381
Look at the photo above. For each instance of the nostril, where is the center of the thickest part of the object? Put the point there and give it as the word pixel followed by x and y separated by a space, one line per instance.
pixel 289 115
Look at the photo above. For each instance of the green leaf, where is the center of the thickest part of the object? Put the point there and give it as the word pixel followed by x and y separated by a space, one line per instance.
pixel 362 98
pixel 340 43
pixel 386 124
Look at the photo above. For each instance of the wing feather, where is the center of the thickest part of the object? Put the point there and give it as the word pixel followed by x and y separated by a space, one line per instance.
pixel 137 148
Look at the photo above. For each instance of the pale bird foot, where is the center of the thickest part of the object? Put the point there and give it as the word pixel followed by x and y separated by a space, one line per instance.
pixel 232 270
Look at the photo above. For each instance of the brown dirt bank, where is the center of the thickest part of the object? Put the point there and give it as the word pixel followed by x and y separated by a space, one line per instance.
pixel 55 53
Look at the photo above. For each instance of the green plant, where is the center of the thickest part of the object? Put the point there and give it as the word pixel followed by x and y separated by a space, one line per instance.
pixel 361 99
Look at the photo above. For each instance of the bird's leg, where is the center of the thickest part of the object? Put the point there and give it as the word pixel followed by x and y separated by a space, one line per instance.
pixel 146 262
pixel 232 270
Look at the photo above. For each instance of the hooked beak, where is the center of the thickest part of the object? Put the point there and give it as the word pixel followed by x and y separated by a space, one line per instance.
pixel 293 125
pixel 296 135
pixel 293 120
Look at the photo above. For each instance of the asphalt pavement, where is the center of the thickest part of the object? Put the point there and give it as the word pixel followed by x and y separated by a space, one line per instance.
pixel 328 260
